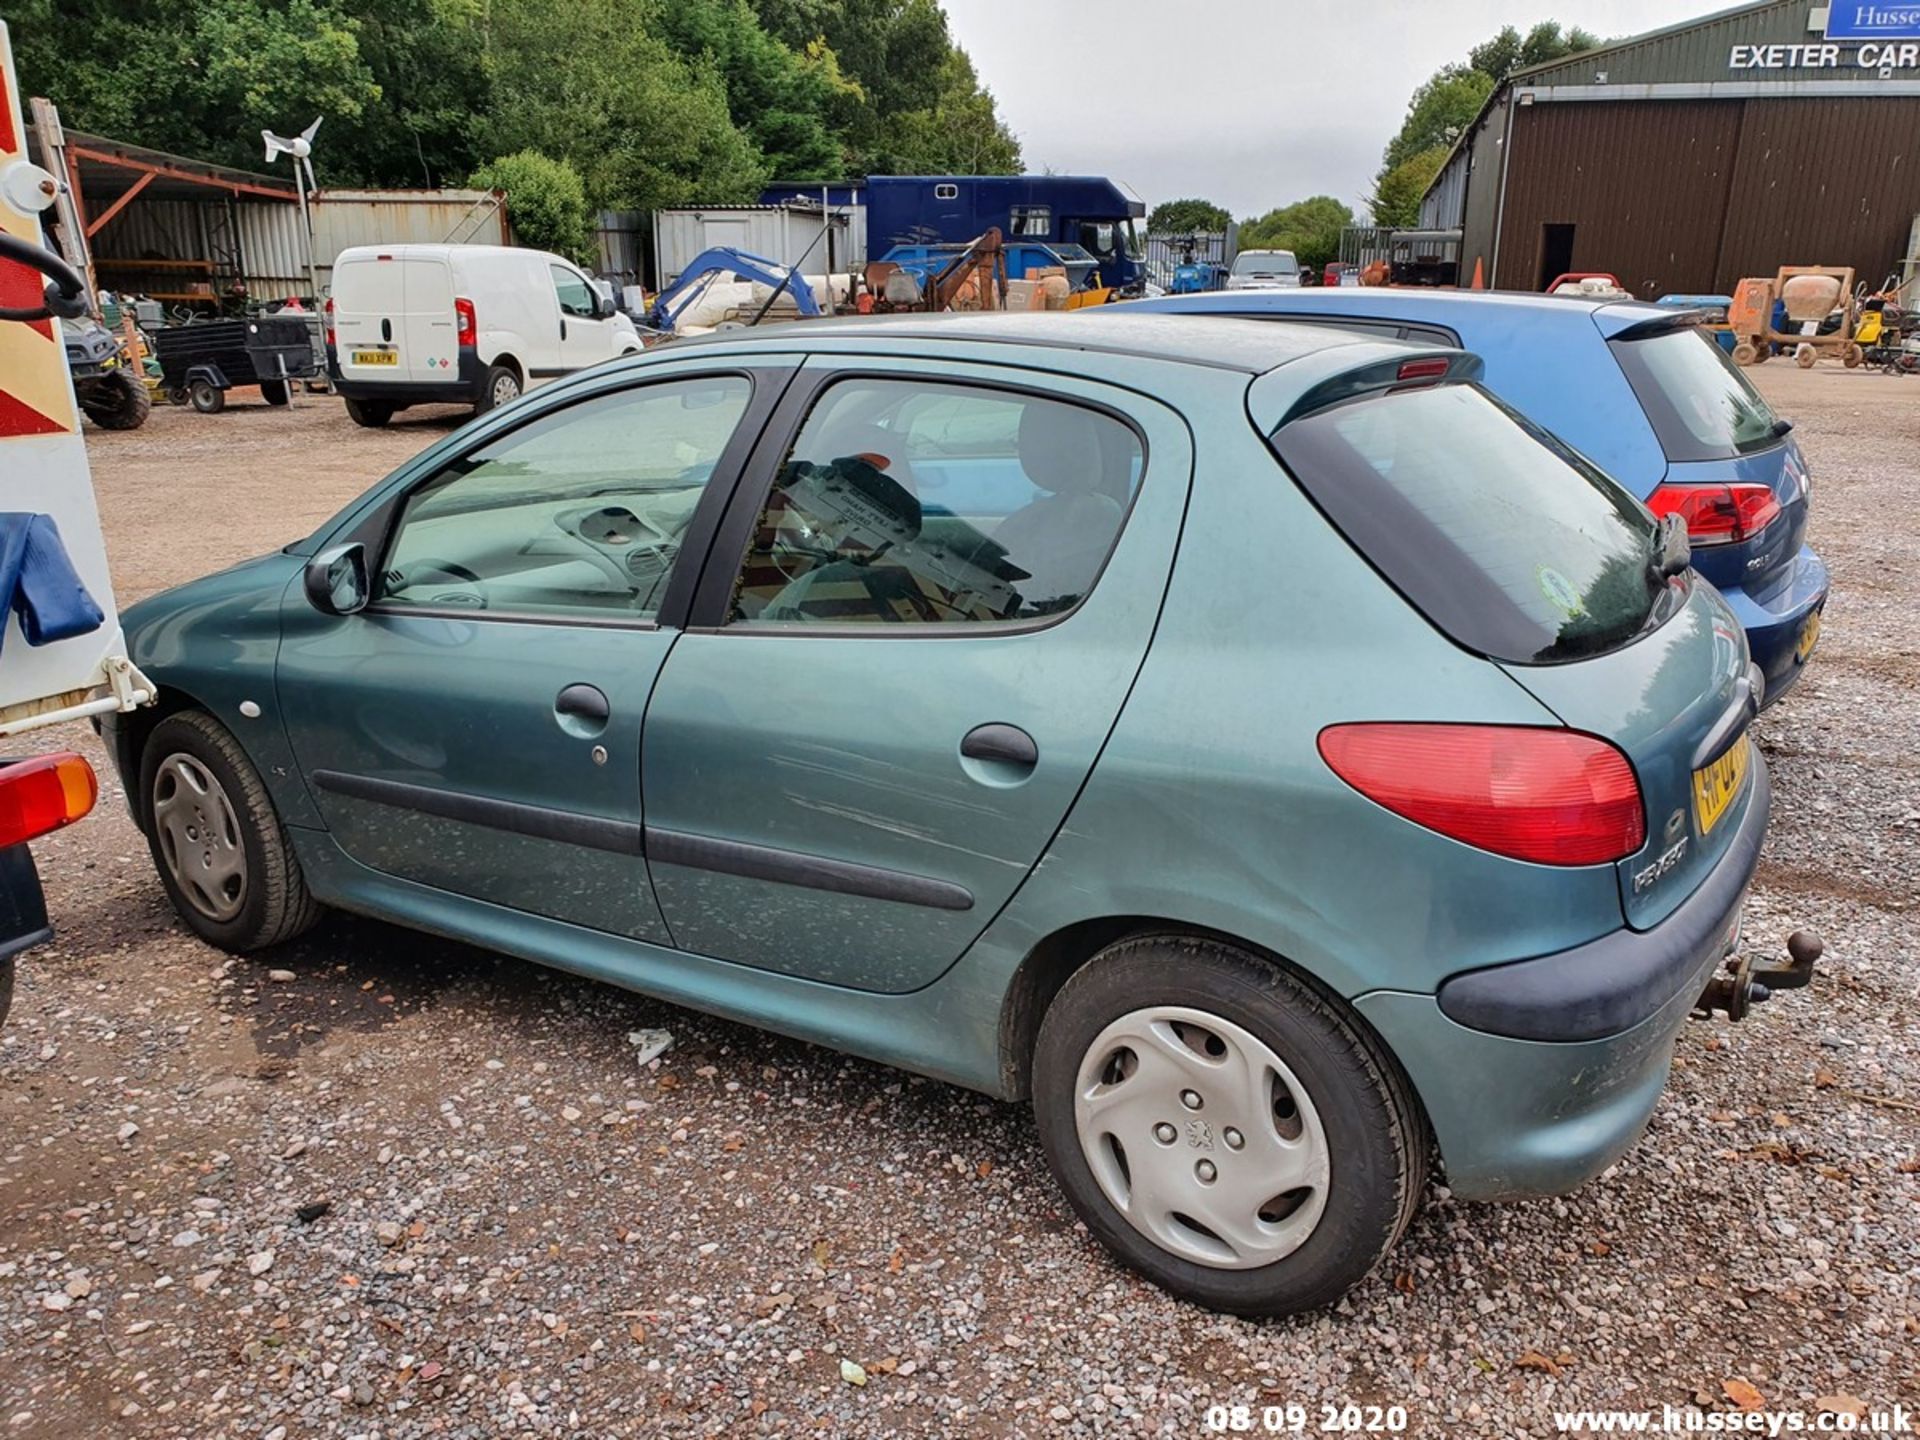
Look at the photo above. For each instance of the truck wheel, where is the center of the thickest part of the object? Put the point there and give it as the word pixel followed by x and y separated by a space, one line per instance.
pixel 370 413
pixel 501 387
pixel 1223 1128
pixel 207 397
pixel 218 844
pixel 118 402
pixel 274 392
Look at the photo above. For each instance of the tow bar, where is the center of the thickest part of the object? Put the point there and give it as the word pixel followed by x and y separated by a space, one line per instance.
pixel 1745 984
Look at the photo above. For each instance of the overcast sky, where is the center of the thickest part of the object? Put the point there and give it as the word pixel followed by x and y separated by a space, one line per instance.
pixel 1249 103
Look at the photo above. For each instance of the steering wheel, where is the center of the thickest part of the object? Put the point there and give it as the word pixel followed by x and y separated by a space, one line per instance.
pixel 66 292
pixel 430 565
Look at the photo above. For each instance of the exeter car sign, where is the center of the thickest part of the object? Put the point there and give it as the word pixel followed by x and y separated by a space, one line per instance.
pixel 1872 20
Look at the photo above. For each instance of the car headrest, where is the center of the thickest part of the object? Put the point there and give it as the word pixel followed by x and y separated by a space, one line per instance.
pixel 1060 448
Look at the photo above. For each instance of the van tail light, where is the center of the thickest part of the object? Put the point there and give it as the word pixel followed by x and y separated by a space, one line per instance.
pixel 43 794
pixel 1718 514
pixel 329 322
pixel 1552 797
pixel 466 323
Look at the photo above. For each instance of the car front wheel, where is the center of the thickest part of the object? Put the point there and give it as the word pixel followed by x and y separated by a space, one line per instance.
pixel 1223 1128
pixel 218 844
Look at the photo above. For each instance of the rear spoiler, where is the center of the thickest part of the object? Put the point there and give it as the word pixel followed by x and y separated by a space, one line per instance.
pixel 1653 325
pixel 1400 369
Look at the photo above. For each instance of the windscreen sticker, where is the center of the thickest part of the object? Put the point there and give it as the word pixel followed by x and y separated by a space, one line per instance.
pixel 1559 591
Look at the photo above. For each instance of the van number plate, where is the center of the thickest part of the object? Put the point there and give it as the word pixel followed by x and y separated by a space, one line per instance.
pixel 376 357
pixel 1716 787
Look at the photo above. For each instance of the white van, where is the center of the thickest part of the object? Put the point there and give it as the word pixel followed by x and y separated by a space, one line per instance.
pixel 466 324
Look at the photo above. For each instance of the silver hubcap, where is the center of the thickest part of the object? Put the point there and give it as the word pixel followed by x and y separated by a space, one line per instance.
pixel 504 389
pixel 199 837
pixel 1202 1137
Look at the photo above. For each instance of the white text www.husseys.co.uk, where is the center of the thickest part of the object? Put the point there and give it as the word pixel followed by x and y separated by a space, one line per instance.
pixel 1669 1420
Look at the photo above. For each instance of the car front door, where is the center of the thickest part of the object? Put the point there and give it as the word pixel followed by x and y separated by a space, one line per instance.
pixel 920 620
pixel 476 728
pixel 585 338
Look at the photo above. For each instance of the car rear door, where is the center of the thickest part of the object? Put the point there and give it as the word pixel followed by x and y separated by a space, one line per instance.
pixel 916 631
pixel 476 728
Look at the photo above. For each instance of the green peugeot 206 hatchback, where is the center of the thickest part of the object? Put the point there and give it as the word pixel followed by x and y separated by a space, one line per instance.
pixel 1252 744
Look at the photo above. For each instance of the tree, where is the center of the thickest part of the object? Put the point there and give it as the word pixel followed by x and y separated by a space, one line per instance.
pixel 1509 51
pixel 1396 199
pixel 1310 228
pixel 591 82
pixel 546 202
pixel 961 133
pixel 1438 114
pixel 1188 217
pixel 784 101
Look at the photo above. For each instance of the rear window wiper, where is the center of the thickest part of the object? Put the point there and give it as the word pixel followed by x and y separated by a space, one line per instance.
pixel 1671 552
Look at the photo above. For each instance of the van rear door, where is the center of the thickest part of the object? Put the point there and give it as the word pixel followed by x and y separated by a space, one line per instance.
pixel 393 317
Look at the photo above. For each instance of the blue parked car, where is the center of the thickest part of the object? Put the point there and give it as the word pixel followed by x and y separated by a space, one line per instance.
pixel 1644 394
pixel 1252 745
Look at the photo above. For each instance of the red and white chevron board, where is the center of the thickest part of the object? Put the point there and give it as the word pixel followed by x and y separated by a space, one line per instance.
pixel 36 398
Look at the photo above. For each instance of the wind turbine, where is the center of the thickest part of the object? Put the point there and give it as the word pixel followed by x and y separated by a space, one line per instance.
pixel 300 147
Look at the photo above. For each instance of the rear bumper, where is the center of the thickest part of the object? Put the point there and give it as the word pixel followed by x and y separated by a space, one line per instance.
pixel 1776 622
pixel 1537 1075
pixel 462 390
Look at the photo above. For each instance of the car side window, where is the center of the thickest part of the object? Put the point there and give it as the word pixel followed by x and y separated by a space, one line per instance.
pixel 576 295
pixel 580 512
pixel 925 502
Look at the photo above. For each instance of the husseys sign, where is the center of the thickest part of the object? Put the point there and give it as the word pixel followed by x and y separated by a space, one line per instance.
pixel 1874 35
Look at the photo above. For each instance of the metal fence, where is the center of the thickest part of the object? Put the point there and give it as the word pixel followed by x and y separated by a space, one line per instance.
pixel 1166 252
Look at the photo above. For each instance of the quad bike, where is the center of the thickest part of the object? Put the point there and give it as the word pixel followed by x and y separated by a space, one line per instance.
pixel 110 393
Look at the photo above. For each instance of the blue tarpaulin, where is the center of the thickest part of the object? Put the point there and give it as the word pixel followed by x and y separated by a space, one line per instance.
pixel 39 584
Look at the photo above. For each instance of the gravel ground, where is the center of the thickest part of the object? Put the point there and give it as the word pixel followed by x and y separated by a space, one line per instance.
pixel 378 1184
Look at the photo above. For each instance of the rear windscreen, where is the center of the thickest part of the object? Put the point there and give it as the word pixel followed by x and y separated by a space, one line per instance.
pixel 1699 403
pixel 1507 541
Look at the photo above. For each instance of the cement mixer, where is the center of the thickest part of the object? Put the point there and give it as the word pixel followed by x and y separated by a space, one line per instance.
pixel 1810 294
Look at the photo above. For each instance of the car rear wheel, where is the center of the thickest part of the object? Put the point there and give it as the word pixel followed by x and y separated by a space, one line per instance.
pixel 1223 1128
pixel 6 988
pixel 218 844
pixel 370 413
pixel 501 387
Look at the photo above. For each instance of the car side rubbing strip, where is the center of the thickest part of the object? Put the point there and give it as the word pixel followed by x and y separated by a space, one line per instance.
pixel 814 872
pixel 594 832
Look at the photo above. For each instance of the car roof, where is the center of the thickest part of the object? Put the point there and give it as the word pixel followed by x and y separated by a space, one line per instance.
pixel 1612 314
pixel 1251 347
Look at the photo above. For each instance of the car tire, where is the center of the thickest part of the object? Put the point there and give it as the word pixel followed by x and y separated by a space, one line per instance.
pixel 121 402
pixel 500 387
pixel 274 392
pixel 371 413
pixel 198 789
pixel 6 988
pixel 1315 1095
pixel 207 397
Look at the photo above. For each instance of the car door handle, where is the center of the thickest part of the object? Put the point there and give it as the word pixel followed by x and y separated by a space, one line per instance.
pixel 1008 744
pixel 583 702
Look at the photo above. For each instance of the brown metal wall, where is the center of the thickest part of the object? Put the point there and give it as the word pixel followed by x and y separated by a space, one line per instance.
pixel 1823 182
pixel 1644 184
pixel 1688 196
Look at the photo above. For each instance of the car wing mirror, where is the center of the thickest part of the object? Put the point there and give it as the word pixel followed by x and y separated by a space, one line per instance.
pixel 336 580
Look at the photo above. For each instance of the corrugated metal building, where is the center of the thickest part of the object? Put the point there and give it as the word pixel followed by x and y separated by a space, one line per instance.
pixel 789 234
pixel 1782 133
pixel 189 233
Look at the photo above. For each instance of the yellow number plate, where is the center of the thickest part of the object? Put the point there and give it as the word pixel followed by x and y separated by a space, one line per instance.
pixel 1718 786
pixel 376 357
pixel 1809 637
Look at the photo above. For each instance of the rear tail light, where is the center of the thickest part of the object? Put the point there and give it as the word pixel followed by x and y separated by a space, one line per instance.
pixel 468 326
pixel 43 794
pixel 1553 797
pixel 1418 370
pixel 1718 514
pixel 329 322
